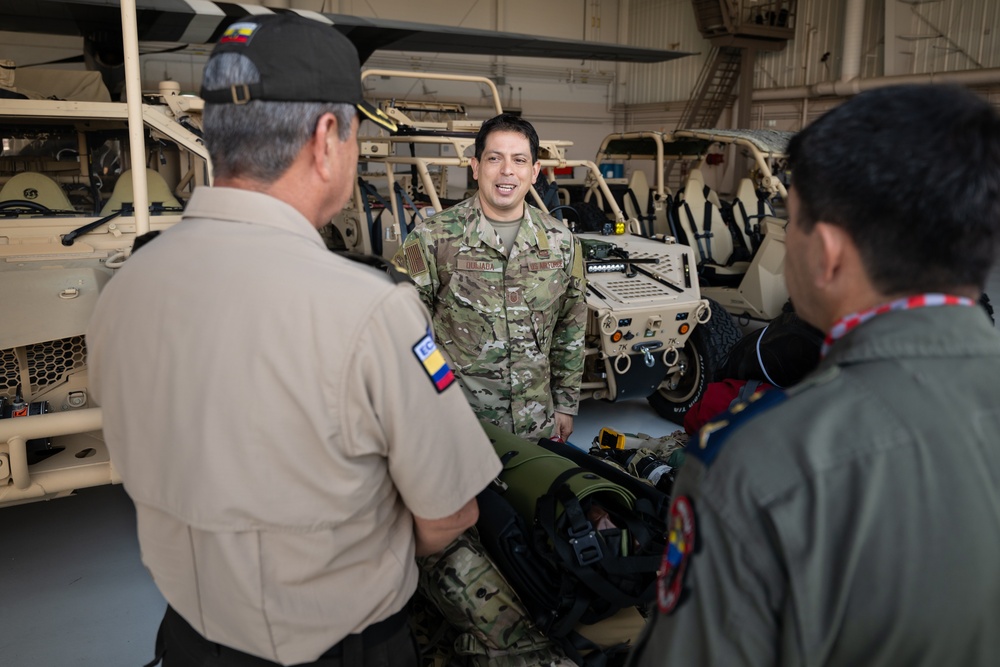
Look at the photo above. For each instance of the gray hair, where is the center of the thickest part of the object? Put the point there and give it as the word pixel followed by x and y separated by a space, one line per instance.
pixel 260 139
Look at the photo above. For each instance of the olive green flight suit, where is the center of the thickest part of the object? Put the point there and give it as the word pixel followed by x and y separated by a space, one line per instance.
pixel 855 520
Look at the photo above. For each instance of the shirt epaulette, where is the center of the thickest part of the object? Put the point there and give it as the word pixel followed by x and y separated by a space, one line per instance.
pixel 377 262
pixel 713 436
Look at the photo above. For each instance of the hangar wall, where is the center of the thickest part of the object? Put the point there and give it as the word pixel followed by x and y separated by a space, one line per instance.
pixel 897 38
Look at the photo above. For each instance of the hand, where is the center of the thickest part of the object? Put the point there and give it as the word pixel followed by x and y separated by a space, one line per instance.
pixel 564 426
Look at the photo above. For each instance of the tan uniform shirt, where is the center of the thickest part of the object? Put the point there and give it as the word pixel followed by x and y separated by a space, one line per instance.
pixel 267 405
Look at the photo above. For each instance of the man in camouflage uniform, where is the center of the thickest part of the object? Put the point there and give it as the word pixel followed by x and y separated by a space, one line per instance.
pixel 504 283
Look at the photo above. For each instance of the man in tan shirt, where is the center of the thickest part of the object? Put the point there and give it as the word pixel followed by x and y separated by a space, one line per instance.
pixel 280 415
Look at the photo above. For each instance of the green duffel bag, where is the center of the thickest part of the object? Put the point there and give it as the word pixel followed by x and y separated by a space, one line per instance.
pixel 530 471
pixel 588 538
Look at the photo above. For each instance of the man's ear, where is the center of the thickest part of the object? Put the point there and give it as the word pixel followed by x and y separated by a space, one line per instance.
pixel 323 143
pixel 831 253
pixel 843 281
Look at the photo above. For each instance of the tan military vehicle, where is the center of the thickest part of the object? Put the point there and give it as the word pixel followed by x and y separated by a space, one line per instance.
pixel 73 202
pixel 743 270
pixel 76 189
pixel 82 178
pixel 649 332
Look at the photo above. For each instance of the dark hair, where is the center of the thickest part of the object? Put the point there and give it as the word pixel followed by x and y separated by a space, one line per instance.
pixel 507 122
pixel 912 173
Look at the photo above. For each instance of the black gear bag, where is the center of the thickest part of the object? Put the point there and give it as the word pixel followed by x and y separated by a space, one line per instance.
pixel 577 539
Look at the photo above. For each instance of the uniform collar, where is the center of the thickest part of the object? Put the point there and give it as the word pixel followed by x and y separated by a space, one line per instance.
pixel 914 333
pixel 248 207
pixel 530 232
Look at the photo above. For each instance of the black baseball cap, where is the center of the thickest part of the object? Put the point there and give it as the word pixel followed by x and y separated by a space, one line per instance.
pixel 299 60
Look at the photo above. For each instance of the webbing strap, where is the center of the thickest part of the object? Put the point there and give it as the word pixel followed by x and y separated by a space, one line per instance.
pixel 752 230
pixel 374 222
pixel 747 227
pixel 586 570
pixel 708 232
pixel 697 235
pixel 645 219
pixel 401 196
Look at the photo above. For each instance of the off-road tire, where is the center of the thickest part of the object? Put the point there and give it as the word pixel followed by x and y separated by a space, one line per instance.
pixel 705 352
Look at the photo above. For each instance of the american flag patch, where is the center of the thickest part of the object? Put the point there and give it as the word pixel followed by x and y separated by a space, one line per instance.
pixel 239 33
pixel 433 362
pixel 414 260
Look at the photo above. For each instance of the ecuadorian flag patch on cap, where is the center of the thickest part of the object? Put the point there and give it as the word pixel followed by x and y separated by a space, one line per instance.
pixel 433 362
pixel 239 33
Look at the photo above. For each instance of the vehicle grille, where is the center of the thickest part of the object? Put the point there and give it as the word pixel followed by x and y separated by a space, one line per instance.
pixel 47 364
pixel 633 290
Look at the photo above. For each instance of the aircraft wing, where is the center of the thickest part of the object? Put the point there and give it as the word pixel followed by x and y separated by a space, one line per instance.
pixel 202 21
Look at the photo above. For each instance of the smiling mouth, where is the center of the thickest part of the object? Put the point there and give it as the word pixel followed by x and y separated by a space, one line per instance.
pixel 506 188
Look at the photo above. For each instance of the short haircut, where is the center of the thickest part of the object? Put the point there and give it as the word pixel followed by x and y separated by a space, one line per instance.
pixel 912 173
pixel 507 122
pixel 259 139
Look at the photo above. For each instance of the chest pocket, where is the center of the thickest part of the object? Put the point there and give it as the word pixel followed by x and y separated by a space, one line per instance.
pixel 542 300
pixel 471 304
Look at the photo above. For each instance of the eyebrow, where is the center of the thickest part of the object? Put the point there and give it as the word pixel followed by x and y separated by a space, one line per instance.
pixel 494 151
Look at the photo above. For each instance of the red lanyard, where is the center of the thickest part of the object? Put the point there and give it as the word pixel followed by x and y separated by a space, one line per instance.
pixel 845 324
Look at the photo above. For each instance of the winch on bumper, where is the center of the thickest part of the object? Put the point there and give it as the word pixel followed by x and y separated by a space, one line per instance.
pixel 644 303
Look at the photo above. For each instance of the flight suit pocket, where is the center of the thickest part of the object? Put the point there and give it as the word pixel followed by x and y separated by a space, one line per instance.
pixel 542 301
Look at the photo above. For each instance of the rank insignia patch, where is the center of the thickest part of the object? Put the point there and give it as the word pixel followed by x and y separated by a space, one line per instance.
pixel 680 546
pixel 433 362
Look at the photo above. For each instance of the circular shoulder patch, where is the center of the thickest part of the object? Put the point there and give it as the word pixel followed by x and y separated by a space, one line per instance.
pixel 680 546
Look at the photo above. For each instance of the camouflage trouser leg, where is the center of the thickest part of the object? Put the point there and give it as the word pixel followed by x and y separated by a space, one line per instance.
pixel 465 613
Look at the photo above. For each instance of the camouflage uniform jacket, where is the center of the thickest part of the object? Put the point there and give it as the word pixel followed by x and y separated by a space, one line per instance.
pixel 512 325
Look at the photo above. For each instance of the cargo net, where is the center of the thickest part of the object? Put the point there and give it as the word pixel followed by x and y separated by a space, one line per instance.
pixel 47 364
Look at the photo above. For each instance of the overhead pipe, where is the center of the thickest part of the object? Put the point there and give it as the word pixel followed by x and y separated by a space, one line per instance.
pixel 976 77
pixel 854 30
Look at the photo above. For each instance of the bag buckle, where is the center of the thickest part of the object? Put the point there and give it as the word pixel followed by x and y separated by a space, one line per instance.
pixel 585 546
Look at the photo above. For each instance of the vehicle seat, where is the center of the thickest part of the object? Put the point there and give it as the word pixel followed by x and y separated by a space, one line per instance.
pixel 637 201
pixel 158 190
pixel 748 211
pixel 38 188
pixel 710 194
pixel 707 232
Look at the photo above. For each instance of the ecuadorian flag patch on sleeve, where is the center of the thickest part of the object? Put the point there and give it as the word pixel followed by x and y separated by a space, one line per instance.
pixel 239 32
pixel 433 362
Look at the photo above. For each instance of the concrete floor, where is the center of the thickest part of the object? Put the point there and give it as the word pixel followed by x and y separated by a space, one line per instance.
pixel 74 592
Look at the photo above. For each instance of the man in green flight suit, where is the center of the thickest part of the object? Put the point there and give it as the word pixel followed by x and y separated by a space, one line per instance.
pixel 854 519
pixel 505 286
